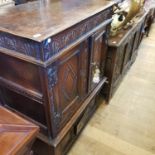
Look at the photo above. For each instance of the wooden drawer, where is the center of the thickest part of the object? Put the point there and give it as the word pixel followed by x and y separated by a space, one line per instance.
pixel 78 126
pixel 85 117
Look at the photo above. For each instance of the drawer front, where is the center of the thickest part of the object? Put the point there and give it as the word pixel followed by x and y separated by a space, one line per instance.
pixel 84 118
pixel 78 126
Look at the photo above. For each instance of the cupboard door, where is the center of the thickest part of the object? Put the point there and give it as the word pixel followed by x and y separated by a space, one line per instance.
pixel 71 85
pixel 118 66
pixel 127 56
pixel 98 56
pixel 135 45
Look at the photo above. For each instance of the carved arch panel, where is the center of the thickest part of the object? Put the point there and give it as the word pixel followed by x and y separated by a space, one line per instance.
pixel 67 80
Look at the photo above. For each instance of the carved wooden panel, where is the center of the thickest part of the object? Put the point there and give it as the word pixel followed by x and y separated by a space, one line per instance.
pixel 127 54
pixel 134 39
pixel 135 45
pixel 118 66
pixel 60 41
pixel 68 83
pixel 20 45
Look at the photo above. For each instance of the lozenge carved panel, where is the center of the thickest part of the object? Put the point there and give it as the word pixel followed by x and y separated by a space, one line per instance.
pixel 66 84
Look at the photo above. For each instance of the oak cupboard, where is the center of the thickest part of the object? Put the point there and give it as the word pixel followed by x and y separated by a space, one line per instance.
pixel 122 52
pixel 53 67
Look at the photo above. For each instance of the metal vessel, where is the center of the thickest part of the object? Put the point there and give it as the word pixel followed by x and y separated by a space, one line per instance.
pixel 124 14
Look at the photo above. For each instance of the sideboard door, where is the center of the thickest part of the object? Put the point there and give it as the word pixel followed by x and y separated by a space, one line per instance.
pixel 71 84
pixel 98 56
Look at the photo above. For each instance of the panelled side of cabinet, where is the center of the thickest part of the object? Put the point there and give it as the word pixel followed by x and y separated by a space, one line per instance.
pixel 136 36
pixel 22 89
pixel 68 84
pixel 122 51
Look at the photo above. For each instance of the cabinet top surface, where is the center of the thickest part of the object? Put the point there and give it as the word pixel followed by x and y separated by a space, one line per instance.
pixel 42 19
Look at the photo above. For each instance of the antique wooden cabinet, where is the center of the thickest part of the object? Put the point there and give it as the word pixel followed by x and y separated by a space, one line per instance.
pixel 122 52
pixel 52 59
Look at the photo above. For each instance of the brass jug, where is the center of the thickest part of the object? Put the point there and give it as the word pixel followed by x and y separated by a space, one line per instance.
pixel 129 9
pixel 135 6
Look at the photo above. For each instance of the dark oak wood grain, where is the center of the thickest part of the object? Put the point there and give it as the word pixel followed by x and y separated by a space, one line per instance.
pixel 53 79
pixel 16 134
pixel 122 52
pixel 48 18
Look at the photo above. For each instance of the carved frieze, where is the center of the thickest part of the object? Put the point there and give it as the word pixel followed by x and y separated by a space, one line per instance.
pixel 45 50
pixel 65 38
pixel 20 45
